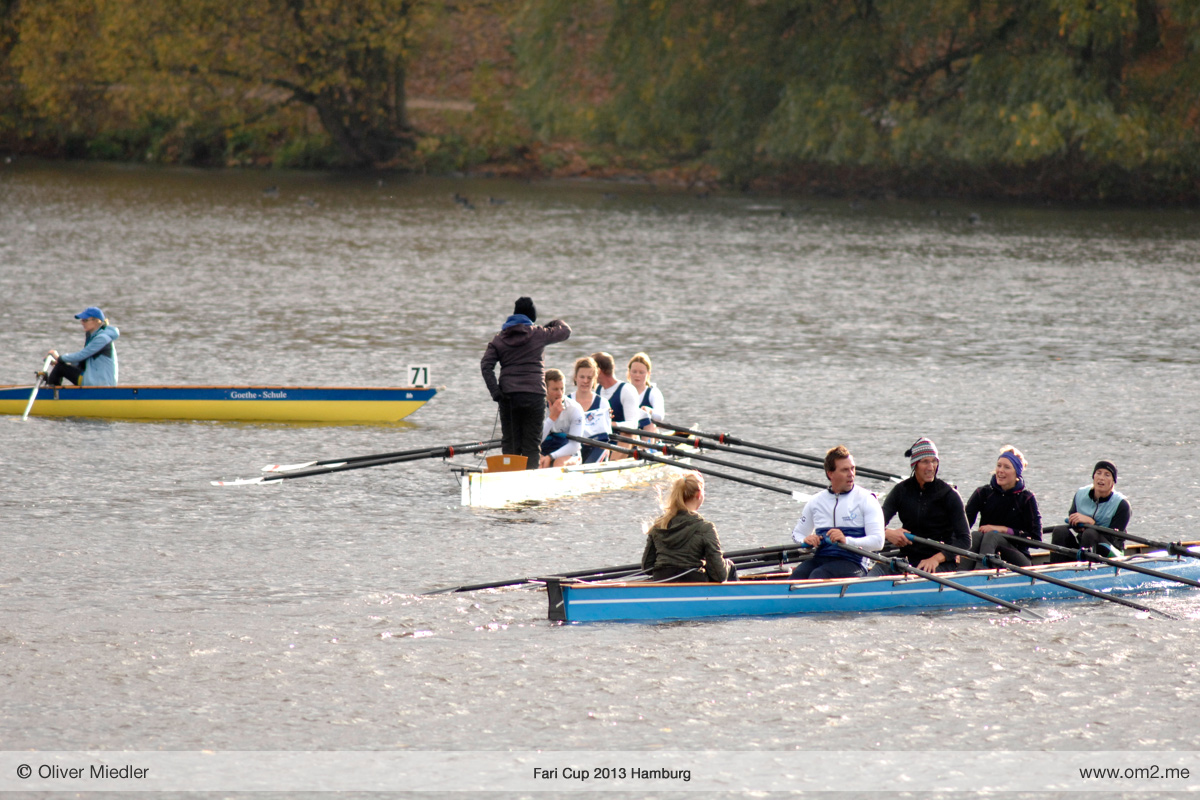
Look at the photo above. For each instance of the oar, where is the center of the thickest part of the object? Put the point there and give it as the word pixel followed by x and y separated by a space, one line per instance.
pixel 624 569
pixel 441 452
pixel 639 453
pixel 999 562
pixel 696 441
pixel 1088 555
pixel 670 450
pixel 903 565
pixel 37 385
pixel 1174 548
pixel 355 459
pixel 730 439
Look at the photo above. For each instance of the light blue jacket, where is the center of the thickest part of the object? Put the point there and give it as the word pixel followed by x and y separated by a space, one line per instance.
pixel 98 358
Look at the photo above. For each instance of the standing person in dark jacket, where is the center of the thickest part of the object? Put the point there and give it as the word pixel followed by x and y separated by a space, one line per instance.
pixel 681 545
pixel 1099 504
pixel 521 390
pixel 1004 506
pixel 928 507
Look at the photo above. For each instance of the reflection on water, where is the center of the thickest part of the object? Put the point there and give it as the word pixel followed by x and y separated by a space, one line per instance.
pixel 144 608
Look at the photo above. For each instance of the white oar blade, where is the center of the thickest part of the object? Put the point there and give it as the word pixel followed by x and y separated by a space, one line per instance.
pixel 241 482
pixel 801 497
pixel 292 467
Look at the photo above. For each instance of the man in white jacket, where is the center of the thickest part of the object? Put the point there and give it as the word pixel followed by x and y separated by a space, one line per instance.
pixel 842 513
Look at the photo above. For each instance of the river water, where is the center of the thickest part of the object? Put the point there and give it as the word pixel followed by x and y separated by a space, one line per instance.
pixel 143 609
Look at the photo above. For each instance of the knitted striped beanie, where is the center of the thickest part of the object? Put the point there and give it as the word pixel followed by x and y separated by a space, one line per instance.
pixel 922 448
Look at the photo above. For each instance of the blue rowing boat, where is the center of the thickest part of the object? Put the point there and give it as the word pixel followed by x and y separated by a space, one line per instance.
pixel 577 601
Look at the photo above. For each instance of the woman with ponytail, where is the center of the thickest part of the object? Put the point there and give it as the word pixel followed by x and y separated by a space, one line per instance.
pixel 681 545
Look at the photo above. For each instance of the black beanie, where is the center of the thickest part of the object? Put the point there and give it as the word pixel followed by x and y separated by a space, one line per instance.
pixel 525 306
pixel 1108 465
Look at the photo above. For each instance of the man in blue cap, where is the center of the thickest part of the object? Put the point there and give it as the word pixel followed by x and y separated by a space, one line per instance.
pixel 96 363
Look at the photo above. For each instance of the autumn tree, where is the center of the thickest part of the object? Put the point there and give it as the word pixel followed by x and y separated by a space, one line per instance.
pixel 230 59
pixel 910 87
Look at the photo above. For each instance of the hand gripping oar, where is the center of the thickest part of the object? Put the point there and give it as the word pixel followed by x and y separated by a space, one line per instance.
pixel 1096 558
pixel 439 452
pixel 37 385
pixel 1174 548
pixel 1001 563
pixel 331 462
pixel 638 453
pixel 670 450
pixel 730 439
pixel 902 564
pixel 626 569
pixel 708 444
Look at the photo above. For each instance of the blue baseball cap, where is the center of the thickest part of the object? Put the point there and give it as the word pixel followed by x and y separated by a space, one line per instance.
pixel 92 312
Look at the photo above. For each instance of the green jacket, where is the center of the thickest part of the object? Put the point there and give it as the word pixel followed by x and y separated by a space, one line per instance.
pixel 689 541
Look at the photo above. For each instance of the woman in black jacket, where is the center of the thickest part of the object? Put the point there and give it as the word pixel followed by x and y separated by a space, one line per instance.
pixel 1004 506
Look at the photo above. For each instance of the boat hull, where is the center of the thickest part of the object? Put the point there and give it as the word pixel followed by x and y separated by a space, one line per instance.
pixel 647 602
pixel 231 403
pixel 500 489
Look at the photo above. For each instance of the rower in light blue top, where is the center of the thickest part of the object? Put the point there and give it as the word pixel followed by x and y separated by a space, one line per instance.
pixel 96 363
pixel 1099 504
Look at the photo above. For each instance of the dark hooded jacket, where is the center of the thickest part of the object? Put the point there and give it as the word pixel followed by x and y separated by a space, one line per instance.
pixel 517 348
pixel 689 541
pixel 934 511
pixel 1015 508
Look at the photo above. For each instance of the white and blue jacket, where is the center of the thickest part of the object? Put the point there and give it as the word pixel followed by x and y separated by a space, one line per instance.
pixel 98 358
pixel 597 423
pixel 652 406
pixel 555 431
pixel 623 399
pixel 855 513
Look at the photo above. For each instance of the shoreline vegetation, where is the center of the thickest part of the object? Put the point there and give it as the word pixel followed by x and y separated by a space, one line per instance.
pixel 1042 100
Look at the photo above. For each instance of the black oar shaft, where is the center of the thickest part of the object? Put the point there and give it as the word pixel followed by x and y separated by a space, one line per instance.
pixel 637 453
pixel 1096 558
pixel 1174 548
pixel 670 450
pixel 999 562
pixel 725 437
pixel 900 563
pixel 398 454
pixel 708 444
pixel 737 556
pixel 438 452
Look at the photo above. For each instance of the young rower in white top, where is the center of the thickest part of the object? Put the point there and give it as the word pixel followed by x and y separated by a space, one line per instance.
pixel 597 423
pixel 650 400
pixel 621 397
pixel 564 418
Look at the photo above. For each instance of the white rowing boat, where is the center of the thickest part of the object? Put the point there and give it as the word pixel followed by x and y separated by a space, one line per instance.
pixel 499 489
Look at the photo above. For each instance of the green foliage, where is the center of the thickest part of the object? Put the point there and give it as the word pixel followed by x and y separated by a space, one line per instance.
pixel 886 85
pixel 306 152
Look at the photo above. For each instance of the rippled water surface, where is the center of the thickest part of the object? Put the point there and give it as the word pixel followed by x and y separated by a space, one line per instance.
pixel 142 608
